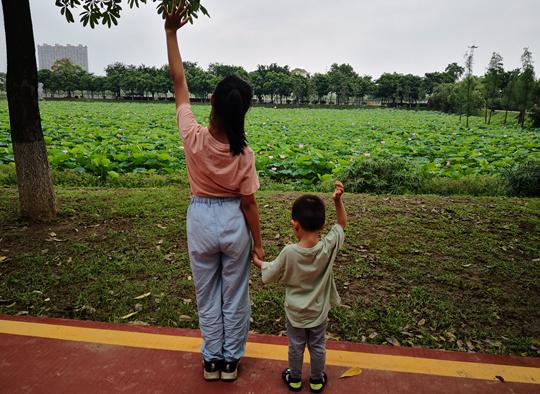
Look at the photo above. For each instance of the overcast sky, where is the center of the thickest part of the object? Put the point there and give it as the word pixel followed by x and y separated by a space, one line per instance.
pixel 406 36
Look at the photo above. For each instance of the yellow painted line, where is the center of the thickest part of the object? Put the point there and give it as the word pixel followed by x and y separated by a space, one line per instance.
pixel 381 362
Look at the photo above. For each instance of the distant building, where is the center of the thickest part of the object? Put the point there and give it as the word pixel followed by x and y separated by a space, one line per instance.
pixel 3 53
pixel 49 54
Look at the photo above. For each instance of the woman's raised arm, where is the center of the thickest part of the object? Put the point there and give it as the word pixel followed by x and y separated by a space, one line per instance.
pixel 174 20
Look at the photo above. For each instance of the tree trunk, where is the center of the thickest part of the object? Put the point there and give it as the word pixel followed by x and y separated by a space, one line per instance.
pixel 521 118
pixel 34 181
pixel 505 116
pixel 485 113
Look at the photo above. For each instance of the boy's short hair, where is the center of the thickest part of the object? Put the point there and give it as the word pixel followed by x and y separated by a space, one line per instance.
pixel 309 211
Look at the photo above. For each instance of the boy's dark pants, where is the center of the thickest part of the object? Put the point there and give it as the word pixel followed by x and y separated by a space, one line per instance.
pixel 315 340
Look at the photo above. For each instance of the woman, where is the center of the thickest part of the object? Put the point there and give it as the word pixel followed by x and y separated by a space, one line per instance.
pixel 222 219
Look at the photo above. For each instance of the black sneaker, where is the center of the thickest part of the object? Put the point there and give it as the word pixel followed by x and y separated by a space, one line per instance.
pixel 317 385
pixel 292 384
pixel 229 372
pixel 211 369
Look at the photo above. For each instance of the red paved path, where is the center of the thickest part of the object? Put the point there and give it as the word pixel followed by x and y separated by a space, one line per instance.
pixel 39 365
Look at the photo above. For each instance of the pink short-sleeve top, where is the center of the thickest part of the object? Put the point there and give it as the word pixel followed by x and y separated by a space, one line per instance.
pixel 212 169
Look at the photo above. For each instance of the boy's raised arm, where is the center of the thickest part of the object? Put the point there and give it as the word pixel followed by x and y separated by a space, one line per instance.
pixel 174 20
pixel 341 214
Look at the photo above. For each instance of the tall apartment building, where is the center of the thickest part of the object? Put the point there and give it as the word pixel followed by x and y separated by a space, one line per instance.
pixel 48 54
pixel 3 53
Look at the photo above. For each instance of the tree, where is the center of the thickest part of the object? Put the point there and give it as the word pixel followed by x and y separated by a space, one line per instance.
pixel 45 76
pixel 388 87
pixel 301 86
pixel 87 83
pixel 525 85
pixel 454 71
pixel 92 12
pixel 342 78
pixel 493 80
pixel 446 98
pixel 100 85
pixel 220 71
pixel 257 79
pixel 412 88
pixel 36 196
pixel 321 85
pixel 68 75
pixel 115 74
pixel 363 86
pixel 34 181
pixel 536 105
pixel 509 83
pixel 163 82
pixel 201 83
pixel 469 61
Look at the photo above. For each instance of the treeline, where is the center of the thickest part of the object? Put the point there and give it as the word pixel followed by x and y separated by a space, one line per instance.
pixel 498 89
pixel 454 90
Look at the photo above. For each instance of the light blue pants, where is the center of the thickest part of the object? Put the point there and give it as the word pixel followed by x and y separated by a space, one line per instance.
pixel 219 244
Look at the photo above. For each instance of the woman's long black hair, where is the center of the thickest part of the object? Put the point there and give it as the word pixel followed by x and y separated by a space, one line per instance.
pixel 230 102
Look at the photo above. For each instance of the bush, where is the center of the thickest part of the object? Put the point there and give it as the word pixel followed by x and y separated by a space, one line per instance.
pixel 384 175
pixel 473 185
pixel 524 179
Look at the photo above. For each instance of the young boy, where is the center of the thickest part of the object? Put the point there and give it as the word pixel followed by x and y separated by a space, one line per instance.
pixel 305 269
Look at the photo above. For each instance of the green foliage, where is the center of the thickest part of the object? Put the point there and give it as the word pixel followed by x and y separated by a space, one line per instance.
pixel 451 75
pixel 306 145
pixel 525 85
pixel 472 185
pixel 524 179
pixel 393 175
pixel 461 98
pixel 92 12
pixel 341 78
pixel 65 76
pixel 2 82
pixel 398 87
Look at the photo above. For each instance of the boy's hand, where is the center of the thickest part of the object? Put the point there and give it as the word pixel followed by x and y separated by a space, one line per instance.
pixel 177 17
pixel 259 252
pixel 339 191
pixel 258 262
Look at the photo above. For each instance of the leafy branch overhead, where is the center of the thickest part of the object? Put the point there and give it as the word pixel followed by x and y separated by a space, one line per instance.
pixel 108 11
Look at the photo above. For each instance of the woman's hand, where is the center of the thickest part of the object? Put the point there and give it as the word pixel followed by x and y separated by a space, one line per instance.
pixel 177 17
pixel 259 252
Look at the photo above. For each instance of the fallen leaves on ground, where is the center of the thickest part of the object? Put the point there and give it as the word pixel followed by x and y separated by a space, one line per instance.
pixel 140 297
pixel 354 371
pixel 129 315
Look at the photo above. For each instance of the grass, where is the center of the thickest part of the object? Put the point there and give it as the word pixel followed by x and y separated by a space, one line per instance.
pixel 457 273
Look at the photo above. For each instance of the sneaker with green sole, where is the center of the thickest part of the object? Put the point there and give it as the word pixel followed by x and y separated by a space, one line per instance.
pixel 292 383
pixel 317 385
